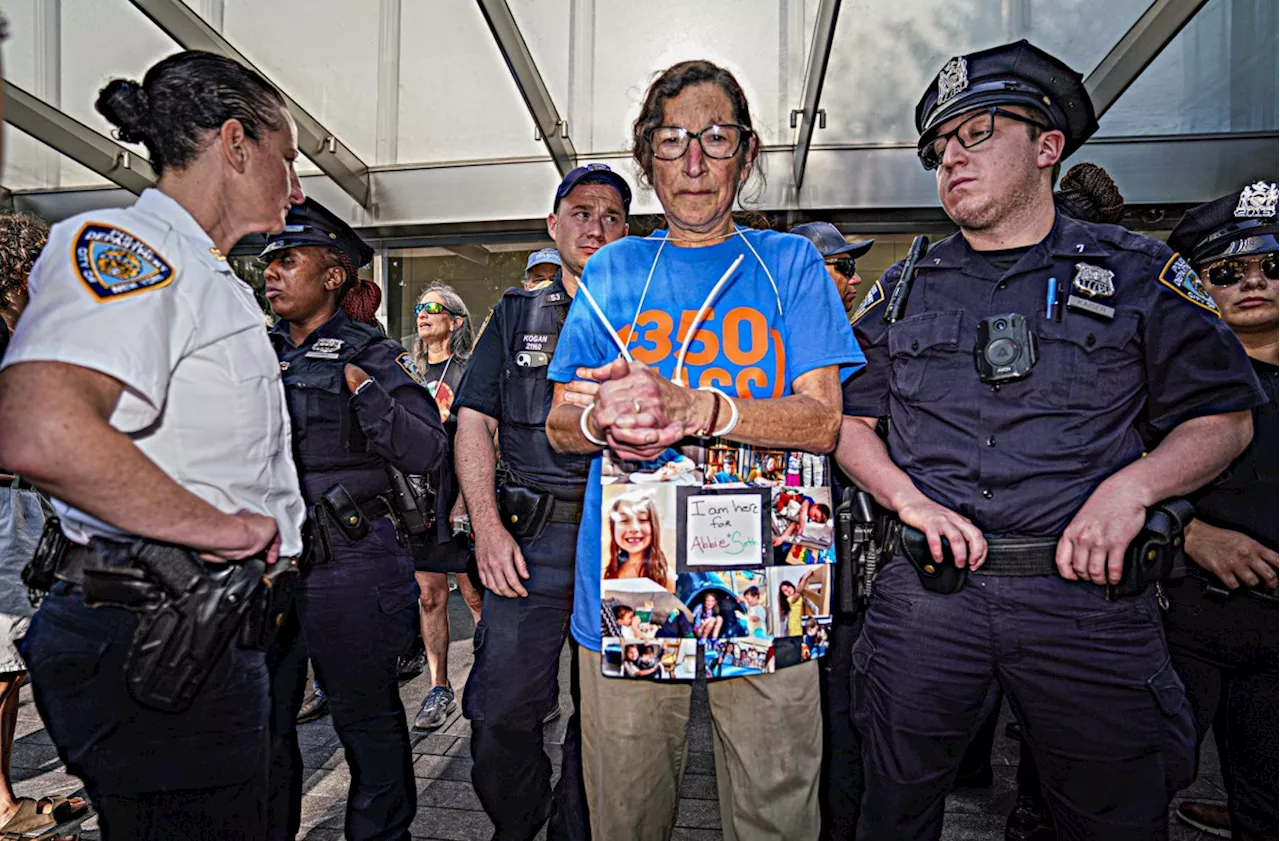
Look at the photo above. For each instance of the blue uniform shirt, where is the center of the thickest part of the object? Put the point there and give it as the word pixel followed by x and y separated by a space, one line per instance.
pixel 755 341
pixel 1021 458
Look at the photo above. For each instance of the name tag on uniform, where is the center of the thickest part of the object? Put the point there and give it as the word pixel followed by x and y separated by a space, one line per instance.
pixel 325 349
pixel 1094 308
pixel 536 342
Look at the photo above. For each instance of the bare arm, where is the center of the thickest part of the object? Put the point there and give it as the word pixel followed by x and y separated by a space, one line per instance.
pixel 498 558
pixel 54 430
pixel 1092 547
pixel 641 413
pixel 866 459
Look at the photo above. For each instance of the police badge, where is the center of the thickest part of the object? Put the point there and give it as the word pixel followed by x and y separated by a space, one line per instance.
pixel 325 349
pixel 1257 200
pixel 953 80
pixel 1094 281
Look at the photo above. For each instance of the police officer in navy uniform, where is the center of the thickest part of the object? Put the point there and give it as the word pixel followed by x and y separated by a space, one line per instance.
pixel 1221 621
pixel 525 543
pixel 357 405
pixel 1030 466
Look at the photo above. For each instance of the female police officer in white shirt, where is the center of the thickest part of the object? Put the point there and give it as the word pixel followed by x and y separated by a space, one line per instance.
pixel 140 390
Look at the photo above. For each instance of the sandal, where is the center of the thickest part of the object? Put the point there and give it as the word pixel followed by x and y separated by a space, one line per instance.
pixel 45 813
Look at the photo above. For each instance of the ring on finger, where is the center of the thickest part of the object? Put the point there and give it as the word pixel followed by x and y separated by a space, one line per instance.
pixel 635 402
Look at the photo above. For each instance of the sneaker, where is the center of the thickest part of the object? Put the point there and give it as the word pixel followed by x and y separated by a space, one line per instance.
pixel 1210 818
pixel 411 665
pixel 317 706
pixel 1029 821
pixel 436 707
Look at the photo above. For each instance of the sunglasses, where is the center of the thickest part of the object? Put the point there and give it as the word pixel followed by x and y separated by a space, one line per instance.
pixel 1230 272
pixel 432 308
pixel 844 265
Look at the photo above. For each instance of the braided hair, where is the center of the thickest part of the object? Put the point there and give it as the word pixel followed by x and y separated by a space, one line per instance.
pixel 358 298
pixel 1088 193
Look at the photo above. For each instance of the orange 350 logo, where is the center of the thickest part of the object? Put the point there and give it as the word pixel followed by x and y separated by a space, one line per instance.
pixel 743 341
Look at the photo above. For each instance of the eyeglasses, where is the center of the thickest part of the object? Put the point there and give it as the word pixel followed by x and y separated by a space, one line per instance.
pixel 844 265
pixel 1230 272
pixel 432 308
pixel 669 143
pixel 972 132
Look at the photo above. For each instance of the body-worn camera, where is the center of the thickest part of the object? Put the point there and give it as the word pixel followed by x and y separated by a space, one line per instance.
pixel 1006 349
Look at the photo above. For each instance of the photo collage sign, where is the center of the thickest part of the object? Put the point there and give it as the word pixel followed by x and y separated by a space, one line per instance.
pixel 721 553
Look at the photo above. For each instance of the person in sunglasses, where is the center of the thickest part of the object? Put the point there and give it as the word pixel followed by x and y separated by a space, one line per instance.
pixel 838 256
pixel 1222 618
pixel 441 352
pixel 1033 474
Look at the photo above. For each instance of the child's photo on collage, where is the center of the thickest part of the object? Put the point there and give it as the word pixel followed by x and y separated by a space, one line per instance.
pixel 638 533
pixel 657 660
pixel 803 526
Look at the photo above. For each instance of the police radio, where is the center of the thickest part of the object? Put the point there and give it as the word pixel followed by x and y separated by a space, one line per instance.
pixel 1006 348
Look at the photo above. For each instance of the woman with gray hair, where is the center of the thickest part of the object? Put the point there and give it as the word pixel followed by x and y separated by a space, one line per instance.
pixel 440 352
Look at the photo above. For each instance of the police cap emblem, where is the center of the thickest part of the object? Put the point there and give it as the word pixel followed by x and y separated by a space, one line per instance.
pixel 1257 200
pixel 1094 281
pixel 953 80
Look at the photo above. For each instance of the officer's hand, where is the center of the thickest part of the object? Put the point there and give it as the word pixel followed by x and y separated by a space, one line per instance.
pixel 1235 558
pixel 968 546
pixel 253 534
pixel 500 563
pixel 615 370
pixel 577 392
pixel 355 375
pixel 1093 545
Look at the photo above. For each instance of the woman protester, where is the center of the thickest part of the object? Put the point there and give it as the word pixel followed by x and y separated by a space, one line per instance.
pixel 441 351
pixel 140 391
pixel 761 364
pixel 358 408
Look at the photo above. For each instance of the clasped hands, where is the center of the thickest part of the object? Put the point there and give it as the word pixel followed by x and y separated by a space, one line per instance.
pixel 637 410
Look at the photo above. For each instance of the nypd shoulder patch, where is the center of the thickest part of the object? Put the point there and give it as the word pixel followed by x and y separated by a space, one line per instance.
pixel 1182 279
pixel 405 361
pixel 874 296
pixel 113 263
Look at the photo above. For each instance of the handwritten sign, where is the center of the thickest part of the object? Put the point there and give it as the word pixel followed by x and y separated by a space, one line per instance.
pixel 724 529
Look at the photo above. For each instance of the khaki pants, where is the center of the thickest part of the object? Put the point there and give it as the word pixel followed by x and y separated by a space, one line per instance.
pixel 767 736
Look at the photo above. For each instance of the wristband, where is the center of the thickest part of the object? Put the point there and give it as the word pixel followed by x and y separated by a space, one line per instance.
pixel 733 413
pixel 586 432
pixel 705 432
pixel 362 387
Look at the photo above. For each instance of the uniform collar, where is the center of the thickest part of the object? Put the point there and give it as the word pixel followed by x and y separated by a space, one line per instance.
pixel 175 216
pixel 1068 238
pixel 331 329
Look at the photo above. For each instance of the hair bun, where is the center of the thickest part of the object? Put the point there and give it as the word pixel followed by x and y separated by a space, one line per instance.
pixel 1090 185
pixel 126 106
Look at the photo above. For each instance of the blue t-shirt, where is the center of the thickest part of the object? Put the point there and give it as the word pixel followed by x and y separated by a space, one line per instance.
pixel 753 342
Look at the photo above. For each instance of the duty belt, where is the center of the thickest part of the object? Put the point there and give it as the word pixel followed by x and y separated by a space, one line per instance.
pixel 1020 557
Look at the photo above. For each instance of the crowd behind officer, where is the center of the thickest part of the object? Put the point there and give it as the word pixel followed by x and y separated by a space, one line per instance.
pixel 1221 621
pixel 359 409
pixel 527 565
pixel 1019 480
pixel 141 392
pixel 442 350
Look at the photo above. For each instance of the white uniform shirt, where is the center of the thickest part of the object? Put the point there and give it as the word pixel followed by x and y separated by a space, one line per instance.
pixel 142 295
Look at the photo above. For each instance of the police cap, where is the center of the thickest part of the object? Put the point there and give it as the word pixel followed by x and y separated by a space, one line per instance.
pixel 311 223
pixel 1013 74
pixel 1237 225
pixel 594 174
pixel 830 242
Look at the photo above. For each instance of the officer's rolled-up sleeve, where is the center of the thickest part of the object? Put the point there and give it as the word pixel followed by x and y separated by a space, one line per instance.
pixel 480 388
pixel 136 339
pixel 866 393
pixel 1195 365
pixel 397 414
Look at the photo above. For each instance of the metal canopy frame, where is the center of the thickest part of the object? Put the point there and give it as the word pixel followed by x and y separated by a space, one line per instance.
pixel 551 127
pixel 77 141
pixel 322 146
pixel 824 33
pixel 1145 40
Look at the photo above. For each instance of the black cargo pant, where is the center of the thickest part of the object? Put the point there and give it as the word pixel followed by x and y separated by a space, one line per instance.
pixel 513 685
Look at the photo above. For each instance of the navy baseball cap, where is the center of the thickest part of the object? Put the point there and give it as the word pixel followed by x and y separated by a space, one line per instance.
pixel 829 241
pixel 594 174
pixel 1013 74
pixel 543 255
pixel 1239 224
pixel 311 223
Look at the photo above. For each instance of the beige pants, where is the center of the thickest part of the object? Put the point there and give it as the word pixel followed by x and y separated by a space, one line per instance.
pixel 768 747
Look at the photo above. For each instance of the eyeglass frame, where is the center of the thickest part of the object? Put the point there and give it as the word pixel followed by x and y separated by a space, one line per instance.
pixel 836 263
pixel 991 112
pixel 1243 262
pixel 745 133
pixel 419 307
